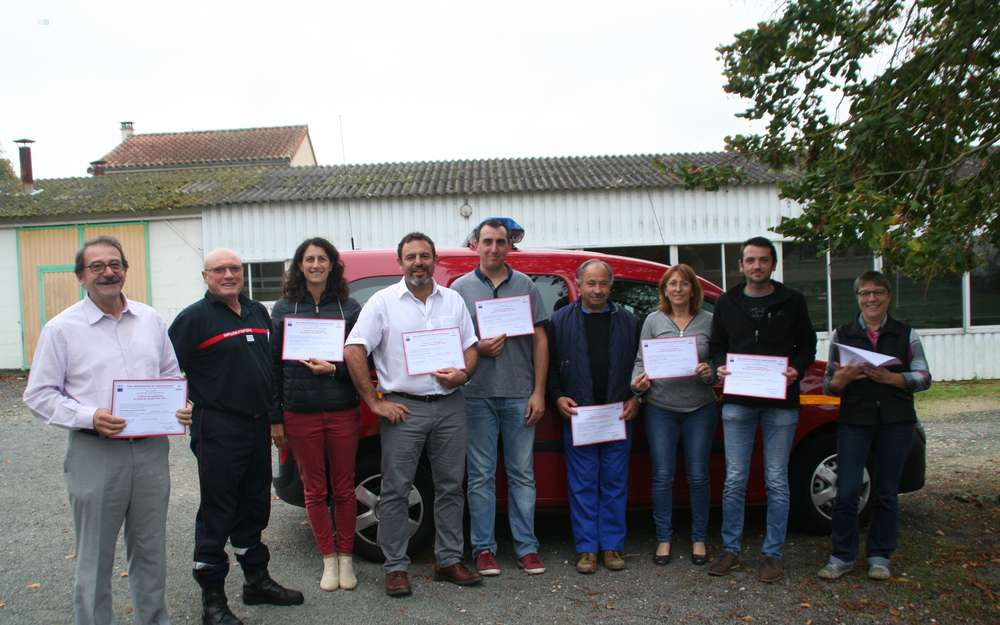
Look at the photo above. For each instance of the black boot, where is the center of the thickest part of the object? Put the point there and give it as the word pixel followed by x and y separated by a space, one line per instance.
pixel 260 588
pixel 216 608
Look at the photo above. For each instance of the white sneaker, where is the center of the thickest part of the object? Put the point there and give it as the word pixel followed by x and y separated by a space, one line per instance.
pixel 878 572
pixel 330 580
pixel 347 579
pixel 834 570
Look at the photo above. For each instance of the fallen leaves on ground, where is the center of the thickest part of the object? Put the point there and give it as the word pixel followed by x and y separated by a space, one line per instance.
pixel 992 596
pixel 34 585
pixel 855 604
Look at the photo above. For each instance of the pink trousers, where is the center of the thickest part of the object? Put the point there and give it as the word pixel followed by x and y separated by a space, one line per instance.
pixel 318 439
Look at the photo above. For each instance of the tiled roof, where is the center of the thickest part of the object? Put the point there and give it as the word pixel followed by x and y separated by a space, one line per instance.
pixel 473 177
pixel 192 189
pixel 207 148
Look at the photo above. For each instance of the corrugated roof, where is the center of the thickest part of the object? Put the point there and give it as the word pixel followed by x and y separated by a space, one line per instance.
pixel 473 177
pixel 207 148
pixel 140 193
pixel 158 191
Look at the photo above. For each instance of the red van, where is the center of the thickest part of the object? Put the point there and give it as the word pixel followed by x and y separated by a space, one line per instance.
pixel 813 464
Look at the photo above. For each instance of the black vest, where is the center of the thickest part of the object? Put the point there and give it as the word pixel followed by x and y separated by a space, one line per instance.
pixel 865 402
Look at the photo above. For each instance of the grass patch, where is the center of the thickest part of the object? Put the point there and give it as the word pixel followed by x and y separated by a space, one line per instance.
pixel 943 391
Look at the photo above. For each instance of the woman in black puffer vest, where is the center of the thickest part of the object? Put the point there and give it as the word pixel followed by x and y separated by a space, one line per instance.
pixel 316 408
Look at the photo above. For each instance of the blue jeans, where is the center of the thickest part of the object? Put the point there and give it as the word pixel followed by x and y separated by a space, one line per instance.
pixel 486 418
pixel 891 443
pixel 739 426
pixel 663 429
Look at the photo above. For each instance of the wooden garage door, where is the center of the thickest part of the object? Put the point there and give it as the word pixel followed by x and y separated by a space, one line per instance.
pixel 48 283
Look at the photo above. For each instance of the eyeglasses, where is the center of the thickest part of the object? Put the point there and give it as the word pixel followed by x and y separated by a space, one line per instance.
pixel 99 267
pixel 221 271
pixel 872 293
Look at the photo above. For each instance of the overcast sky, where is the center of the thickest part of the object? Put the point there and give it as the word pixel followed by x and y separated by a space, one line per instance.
pixel 411 80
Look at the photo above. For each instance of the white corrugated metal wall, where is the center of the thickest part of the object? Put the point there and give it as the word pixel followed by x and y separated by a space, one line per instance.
pixel 612 218
pixel 952 354
pixel 561 220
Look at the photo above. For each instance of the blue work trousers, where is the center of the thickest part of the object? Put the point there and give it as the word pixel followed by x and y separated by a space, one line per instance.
pixel 598 491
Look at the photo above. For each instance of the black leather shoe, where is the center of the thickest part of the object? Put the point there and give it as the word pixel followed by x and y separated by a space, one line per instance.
pixel 260 588
pixel 699 560
pixel 661 560
pixel 215 608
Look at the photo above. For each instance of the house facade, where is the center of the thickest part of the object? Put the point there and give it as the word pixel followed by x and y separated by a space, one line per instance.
pixel 288 146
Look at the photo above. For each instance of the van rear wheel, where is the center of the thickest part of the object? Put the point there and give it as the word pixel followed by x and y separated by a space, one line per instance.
pixel 368 489
pixel 814 485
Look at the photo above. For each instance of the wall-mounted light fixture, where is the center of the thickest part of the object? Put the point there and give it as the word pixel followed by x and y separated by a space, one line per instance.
pixel 465 210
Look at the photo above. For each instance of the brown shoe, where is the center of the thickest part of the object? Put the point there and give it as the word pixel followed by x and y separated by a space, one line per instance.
pixel 726 563
pixel 456 574
pixel 612 560
pixel 397 584
pixel 586 563
pixel 771 570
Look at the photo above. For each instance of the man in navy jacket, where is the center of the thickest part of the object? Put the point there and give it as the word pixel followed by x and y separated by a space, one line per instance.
pixel 592 347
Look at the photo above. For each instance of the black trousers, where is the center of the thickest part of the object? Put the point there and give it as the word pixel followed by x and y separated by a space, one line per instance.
pixel 234 472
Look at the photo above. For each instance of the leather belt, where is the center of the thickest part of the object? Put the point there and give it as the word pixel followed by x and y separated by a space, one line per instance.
pixel 94 433
pixel 423 398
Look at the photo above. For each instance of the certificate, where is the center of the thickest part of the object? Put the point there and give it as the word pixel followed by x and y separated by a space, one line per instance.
pixel 756 376
pixel 149 407
pixel 670 358
pixel 430 350
pixel 856 356
pixel 598 424
pixel 504 315
pixel 307 337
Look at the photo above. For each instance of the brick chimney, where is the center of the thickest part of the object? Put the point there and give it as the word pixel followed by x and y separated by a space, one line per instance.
pixel 97 167
pixel 127 130
pixel 27 177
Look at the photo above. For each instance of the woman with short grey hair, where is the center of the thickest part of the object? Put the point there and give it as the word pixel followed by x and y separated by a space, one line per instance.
pixel 877 418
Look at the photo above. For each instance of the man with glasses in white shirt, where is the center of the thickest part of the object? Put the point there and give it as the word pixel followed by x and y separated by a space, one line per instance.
pixel 111 481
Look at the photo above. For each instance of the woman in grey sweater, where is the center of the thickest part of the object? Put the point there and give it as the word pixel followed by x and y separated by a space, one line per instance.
pixel 679 408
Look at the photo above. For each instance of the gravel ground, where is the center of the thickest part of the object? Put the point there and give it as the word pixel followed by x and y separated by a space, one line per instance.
pixel 947 569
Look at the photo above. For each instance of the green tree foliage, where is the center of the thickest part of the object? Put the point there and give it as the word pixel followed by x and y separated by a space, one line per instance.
pixel 886 115
pixel 7 175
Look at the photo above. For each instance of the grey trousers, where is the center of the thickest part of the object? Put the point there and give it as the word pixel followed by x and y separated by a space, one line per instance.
pixel 110 483
pixel 440 426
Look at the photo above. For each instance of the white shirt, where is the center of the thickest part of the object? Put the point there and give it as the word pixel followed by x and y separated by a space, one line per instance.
pixel 394 310
pixel 82 350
